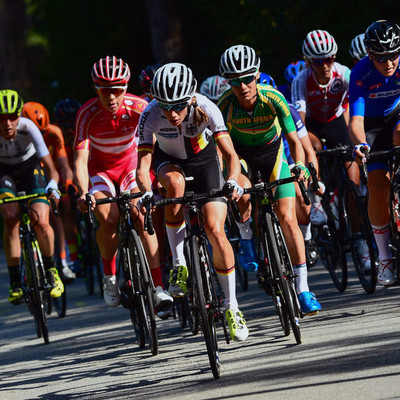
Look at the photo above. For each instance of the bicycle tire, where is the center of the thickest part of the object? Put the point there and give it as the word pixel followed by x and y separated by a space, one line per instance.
pixel 281 266
pixel 332 251
pixel 200 289
pixel 366 278
pixel 394 235
pixel 36 289
pixel 193 317
pixel 146 306
pixel 272 289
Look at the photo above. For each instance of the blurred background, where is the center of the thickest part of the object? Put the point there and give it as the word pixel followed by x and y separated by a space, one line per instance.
pixel 48 47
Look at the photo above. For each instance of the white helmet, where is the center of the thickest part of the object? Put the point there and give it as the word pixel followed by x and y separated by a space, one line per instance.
pixel 319 44
pixel 214 86
pixel 237 60
pixel 357 47
pixel 173 83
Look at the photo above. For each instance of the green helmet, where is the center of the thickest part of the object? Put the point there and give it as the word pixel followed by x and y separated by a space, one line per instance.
pixel 10 102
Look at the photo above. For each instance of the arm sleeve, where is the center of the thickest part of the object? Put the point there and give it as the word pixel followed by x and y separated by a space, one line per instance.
pixel 37 139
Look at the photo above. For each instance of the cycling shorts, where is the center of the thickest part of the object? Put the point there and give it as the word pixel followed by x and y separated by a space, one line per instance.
pixel 334 132
pixel 28 177
pixel 202 170
pixel 379 134
pixel 271 161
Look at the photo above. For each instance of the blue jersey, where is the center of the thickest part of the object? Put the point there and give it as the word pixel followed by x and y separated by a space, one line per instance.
pixel 371 93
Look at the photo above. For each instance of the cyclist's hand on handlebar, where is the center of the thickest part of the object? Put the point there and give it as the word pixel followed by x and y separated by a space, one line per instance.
pixel 146 199
pixel 361 151
pixel 52 190
pixel 304 172
pixel 234 189
pixel 321 189
pixel 83 205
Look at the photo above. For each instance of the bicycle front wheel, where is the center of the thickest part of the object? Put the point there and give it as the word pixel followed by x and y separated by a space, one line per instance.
pixel 283 274
pixel 202 299
pixel 145 291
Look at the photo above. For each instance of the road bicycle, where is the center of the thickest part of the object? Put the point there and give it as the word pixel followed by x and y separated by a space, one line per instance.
pixel 393 157
pixel 35 285
pixel 275 270
pixel 138 288
pixel 347 222
pixel 203 303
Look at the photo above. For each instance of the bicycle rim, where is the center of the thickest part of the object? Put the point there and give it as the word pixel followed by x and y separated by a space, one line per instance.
pixel 146 306
pixel 201 288
pixel 282 267
pixel 367 278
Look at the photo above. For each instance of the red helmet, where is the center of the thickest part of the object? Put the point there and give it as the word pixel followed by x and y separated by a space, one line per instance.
pixel 37 113
pixel 111 69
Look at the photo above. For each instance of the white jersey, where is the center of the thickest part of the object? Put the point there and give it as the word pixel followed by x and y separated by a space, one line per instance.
pixel 181 142
pixel 27 142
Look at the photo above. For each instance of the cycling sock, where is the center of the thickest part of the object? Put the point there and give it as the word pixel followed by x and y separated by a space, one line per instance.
pixel 227 279
pixel 63 258
pixel 13 272
pixel 306 231
pixel 48 262
pixel 157 276
pixel 73 249
pixel 245 229
pixel 300 270
pixel 109 266
pixel 382 236
pixel 176 236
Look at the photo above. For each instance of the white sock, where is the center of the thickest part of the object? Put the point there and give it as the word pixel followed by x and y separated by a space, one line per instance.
pixel 300 271
pixel 382 236
pixel 176 236
pixel 306 231
pixel 227 279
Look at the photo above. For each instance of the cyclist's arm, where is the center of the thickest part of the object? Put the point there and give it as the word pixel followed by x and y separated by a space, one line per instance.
pixel 296 148
pixel 143 171
pixel 224 143
pixel 81 174
pixel 50 169
pixel 309 152
pixel 64 169
pixel 357 132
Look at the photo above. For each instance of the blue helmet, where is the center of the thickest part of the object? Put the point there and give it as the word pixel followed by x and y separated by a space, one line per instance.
pixel 292 70
pixel 266 79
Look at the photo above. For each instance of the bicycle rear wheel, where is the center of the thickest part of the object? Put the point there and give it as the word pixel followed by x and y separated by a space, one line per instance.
pixel 361 230
pixel 145 290
pixel 202 297
pixel 283 274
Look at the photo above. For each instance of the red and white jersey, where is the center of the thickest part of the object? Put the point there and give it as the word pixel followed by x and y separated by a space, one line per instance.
pixel 322 103
pixel 110 137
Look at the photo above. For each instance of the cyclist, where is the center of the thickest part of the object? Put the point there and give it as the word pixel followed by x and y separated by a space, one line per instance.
pixel 22 150
pixel 65 112
pixel 291 71
pixel 256 116
pixel 183 122
pixel 374 123
pixel 320 95
pixel 357 48
pixel 146 79
pixel 54 140
pixel 106 156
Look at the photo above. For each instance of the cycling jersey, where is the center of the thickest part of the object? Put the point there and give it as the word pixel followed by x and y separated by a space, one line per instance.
pixel 264 125
pixel 371 93
pixel 111 137
pixel 27 143
pixel 54 140
pixel 180 142
pixel 322 103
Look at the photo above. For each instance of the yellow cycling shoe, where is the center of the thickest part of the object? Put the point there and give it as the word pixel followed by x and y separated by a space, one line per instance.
pixel 15 294
pixel 55 282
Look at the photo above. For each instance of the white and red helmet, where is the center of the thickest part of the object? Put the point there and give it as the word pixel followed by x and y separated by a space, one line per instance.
pixel 111 69
pixel 319 44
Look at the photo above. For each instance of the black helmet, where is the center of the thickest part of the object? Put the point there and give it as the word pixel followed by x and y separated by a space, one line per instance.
pixel 382 37
pixel 147 75
pixel 65 112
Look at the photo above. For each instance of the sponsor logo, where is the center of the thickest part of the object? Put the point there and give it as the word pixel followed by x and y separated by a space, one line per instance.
pixel 360 83
pixel 336 86
pixel 375 86
pixel 389 93
pixel 142 121
pixel 125 116
pixel 128 102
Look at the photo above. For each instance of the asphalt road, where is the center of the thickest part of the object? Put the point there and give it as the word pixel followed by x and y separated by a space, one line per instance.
pixel 350 350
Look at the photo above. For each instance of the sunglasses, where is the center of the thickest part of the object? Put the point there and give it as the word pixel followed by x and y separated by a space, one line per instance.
pixel 115 90
pixel 11 117
pixel 238 81
pixel 173 107
pixel 385 57
pixel 321 61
